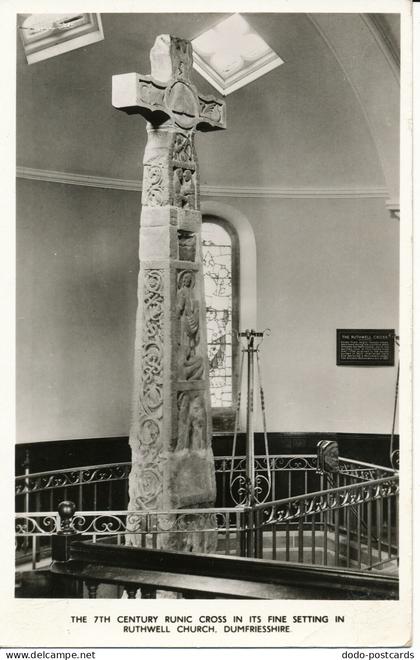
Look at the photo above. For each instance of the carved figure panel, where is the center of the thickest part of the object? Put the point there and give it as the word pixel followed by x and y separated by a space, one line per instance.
pixel 192 421
pixel 190 360
pixel 211 109
pixel 181 55
pixel 187 242
pixel 183 149
pixel 184 188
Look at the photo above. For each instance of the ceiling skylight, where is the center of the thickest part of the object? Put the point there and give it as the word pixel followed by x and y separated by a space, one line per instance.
pixel 46 35
pixel 232 54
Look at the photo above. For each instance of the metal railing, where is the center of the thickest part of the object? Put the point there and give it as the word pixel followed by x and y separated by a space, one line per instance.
pixel 91 486
pixel 100 486
pixel 205 530
pixel 348 518
pixel 352 525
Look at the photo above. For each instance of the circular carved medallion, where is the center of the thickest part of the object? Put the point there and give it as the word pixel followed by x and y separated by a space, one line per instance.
pixel 182 102
pixel 150 485
pixel 149 432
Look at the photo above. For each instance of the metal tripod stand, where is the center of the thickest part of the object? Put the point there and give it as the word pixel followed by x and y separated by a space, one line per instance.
pixel 252 485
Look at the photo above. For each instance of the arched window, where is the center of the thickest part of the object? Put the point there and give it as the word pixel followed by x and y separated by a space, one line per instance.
pixel 221 286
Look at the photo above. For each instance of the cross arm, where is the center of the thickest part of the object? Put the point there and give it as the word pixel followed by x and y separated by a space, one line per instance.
pixel 142 94
pixel 137 94
pixel 212 115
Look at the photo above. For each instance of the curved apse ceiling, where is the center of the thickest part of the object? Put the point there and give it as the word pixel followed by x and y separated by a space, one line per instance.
pixel 302 124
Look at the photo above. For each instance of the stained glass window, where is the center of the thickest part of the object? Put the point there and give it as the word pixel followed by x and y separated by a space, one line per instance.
pixel 217 267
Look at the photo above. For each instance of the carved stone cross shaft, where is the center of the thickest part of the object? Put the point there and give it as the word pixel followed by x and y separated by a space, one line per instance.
pixel 170 436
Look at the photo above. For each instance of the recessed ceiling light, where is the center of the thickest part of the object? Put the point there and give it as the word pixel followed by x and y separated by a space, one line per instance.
pixel 232 54
pixel 46 35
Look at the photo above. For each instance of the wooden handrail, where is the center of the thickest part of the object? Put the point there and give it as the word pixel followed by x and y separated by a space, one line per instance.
pixel 201 576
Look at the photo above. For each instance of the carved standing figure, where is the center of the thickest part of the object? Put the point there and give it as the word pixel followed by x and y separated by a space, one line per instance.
pixel 188 190
pixel 190 365
pixel 191 422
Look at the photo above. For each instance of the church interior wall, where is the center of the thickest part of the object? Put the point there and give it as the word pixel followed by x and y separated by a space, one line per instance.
pixel 77 269
pixel 322 264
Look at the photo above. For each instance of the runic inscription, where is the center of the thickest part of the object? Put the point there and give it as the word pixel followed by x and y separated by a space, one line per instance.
pixel 170 434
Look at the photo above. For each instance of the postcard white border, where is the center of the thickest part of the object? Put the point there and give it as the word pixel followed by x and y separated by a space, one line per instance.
pixel 30 622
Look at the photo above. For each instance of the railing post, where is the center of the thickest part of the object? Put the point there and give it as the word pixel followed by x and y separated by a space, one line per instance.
pixel 397 528
pixel 153 529
pixel 300 532
pixel 359 513
pixel 313 540
pixel 258 534
pixel 80 490
pixel 92 588
pixel 249 531
pixel 272 463
pixel 26 467
pixel 336 515
pixel 242 534
pixel 369 529
pixel 66 533
pixel 63 586
pixel 131 591
pixel 223 504
pixel 379 523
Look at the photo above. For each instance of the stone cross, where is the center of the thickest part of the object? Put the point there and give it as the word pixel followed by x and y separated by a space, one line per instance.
pixel 170 436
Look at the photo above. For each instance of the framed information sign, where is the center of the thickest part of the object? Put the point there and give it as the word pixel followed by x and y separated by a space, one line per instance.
pixel 365 348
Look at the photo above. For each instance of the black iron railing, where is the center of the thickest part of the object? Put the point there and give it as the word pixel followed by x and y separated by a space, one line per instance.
pixel 348 518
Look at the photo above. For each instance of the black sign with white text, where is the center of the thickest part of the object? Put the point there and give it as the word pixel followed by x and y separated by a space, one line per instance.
pixel 365 348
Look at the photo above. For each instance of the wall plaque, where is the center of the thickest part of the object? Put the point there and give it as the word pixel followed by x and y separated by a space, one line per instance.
pixel 365 348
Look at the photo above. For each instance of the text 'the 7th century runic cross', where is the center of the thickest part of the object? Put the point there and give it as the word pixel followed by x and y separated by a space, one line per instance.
pixel 170 435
